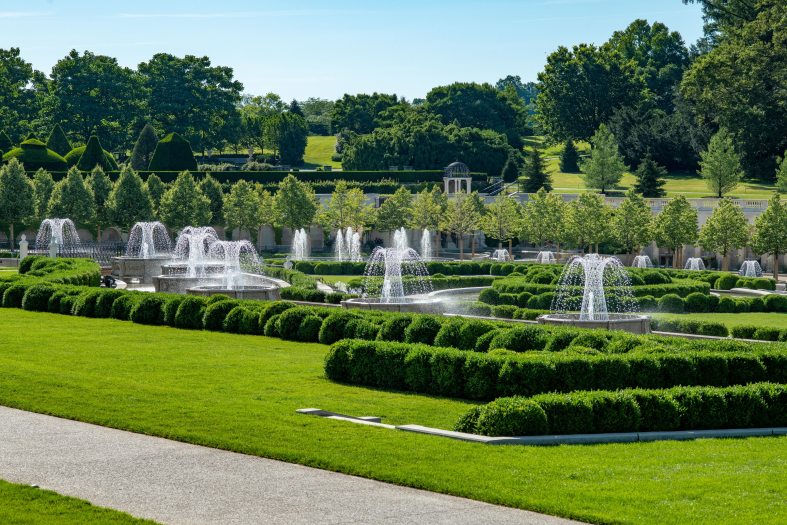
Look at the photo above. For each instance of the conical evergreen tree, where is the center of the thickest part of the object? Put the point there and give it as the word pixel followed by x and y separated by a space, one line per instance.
pixel 144 148
pixel 101 186
pixel 296 108
pixel 58 141
pixel 156 189
pixel 17 200
pixel 93 156
pixel 511 169
pixel 173 153
pixel 536 176
pixel 72 198
pixel 5 143
pixel 569 159
pixel 650 178
pixel 129 201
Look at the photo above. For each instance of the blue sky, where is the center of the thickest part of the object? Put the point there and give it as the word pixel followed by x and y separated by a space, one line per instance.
pixel 303 48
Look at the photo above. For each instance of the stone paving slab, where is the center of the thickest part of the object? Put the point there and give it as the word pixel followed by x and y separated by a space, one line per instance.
pixel 175 482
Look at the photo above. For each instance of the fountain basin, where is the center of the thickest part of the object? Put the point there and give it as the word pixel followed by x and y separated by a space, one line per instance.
pixel 145 269
pixel 182 283
pixel 422 305
pixel 257 292
pixel 632 323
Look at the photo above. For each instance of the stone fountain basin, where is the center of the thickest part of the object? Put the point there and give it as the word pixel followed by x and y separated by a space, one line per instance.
pixel 145 269
pixel 414 304
pixel 632 323
pixel 212 284
pixel 257 292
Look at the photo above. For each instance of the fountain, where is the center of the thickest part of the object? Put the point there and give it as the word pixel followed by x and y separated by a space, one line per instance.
pixel 300 245
pixel 595 292
pixel 426 245
pixel 750 268
pixel 396 280
pixel 192 246
pixel 58 232
pixel 694 264
pixel 546 258
pixel 400 240
pixel 501 255
pixel 642 261
pixel 148 248
pixel 236 270
pixel 347 246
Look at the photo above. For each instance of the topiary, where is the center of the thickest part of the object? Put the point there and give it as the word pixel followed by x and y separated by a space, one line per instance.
pixel 104 302
pixel 361 329
pixel 147 310
pixel 85 303
pixel 290 322
pixel 271 310
pixel 34 155
pixel 58 141
pixel 489 296
pixel 309 330
pixel 173 153
pixel 696 302
pixel 190 312
pixel 13 295
pixel 449 333
pixel 482 345
pixel 471 331
pixel 671 303
pixel 170 308
pixel 512 416
pixel 215 313
pixel 520 339
pixel 94 155
pixel 776 303
pixel 333 326
pixel 394 327
pixel 121 307
pixel 423 329
pixel 36 298
pixel 271 328
pixel 726 282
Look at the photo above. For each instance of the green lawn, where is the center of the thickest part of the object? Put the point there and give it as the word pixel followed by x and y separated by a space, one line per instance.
pixel 319 151
pixel 763 319
pixel 241 392
pixel 23 504
pixel 331 279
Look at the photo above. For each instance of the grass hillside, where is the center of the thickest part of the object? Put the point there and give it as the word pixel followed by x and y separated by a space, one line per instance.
pixel 319 151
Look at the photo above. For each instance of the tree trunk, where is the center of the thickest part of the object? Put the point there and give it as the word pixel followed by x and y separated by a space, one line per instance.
pixel 461 246
pixel 596 246
pixel 725 262
pixel 437 244
pixel 776 266
pixel 12 237
pixel 472 246
pixel 98 231
pixel 511 248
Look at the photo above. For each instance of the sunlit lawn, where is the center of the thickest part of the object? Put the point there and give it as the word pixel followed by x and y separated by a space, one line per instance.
pixel 762 319
pixel 319 151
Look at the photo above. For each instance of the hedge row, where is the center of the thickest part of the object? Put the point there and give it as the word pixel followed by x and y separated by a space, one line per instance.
pixel 690 326
pixel 683 408
pixel 475 375
pixel 294 293
pixel 682 288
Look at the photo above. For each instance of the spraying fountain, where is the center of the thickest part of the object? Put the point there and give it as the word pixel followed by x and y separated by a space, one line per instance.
pixel 546 258
pixel 347 246
pixel 501 255
pixel 237 271
pixel 148 248
pixel 426 245
pixel 300 245
pixel 396 279
pixel 57 234
pixel 642 261
pixel 694 264
pixel 595 292
pixel 750 268
pixel 400 240
pixel 192 246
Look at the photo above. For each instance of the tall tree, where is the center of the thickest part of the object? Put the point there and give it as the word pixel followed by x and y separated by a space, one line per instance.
pixel 675 226
pixel 144 148
pixel 295 108
pixel 21 93
pixel 191 97
pixel 650 178
pixel 512 168
pixel 725 230
pixel 130 200
pixel 72 199
pixel 101 187
pixel 17 199
pixel 184 204
pixel 212 189
pixel 290 134
pixel 428 211
pixel 345 208
pixel 462 218
pixel 580 88
pixel 604 168
pixel 781 174
pixel 720 165
pixel 317 112
pixel 588 220
pixel 770 232
pixel 242 208
pixel 536 176
pixel 632 223
pixel 502 220
pixel 395 211
pixel 43 185
pixel 91 94
pixel 255 113
pixel 361 113
pixel 295 203
pixel 156 188
pixel 544 218
pixel 58 141
pixel 569 158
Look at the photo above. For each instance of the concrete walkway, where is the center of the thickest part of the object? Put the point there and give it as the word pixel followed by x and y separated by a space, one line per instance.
pixel 174 482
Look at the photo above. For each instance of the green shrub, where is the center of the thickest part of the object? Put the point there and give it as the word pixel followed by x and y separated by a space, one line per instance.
pixel 103 307
pixel 727 281
pixel 776 303
pixel 121 307
pixel 482 345
pixel 273 309
pixel 67 304
pixel 423 329
pixel 147 310
pixel 614 412
pixel 449 333
pixel 658 410
pixel 467 422
pixel 489 296
pixel 53 306
pixel 471 331
pixel 333 326
pixel 271 328
pixel 512 417
pixel 85 303
pixel 726 305
pixel 13 295
pixel 766 334
pixel 743 331
pixel 215 313
pixel 34 155
pixel 504 311
pixel 290 321
pixel 36 297
pixel 242 319
pixel 190 313
pixel 520 339
pixel 173 153
pixel 671 303
pixel 310 329
pixel 361 329
pixel 696 302
pixel 591 339
pixel 394 327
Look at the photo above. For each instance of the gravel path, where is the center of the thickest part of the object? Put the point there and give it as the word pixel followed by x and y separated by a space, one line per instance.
pixel 175 482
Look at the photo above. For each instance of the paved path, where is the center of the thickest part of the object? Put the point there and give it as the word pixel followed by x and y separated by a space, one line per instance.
pixel 174 482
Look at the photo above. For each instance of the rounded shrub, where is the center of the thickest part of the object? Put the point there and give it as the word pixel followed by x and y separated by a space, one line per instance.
pixel 121 307
pixel 147 310
pixel 170 308
pixel 213 319
pixel 34 155
pixel 471 331
pixel 333 326
pixel 743 331
pixel 241 320
pixel 53 305
pixel 271 310
pixel 423 329
pixel 36 298
pixel 696 302
pixel 467 422
pixel 13 296
pixel 523 298
pixel 520 339
pixel 85 303
pixel 726 281
pixel 309 330
pixel 591 339
pixel 560 340
pixel 190 312
pixel 67 304
pixel 104 302
pixel 271 328
pixel 505 311
pixel 489 296
pixel 512 416
pixel 394 327
pixel 361 329
pixel 647 303
pixel 483 342
pixel 290 321
pixel 727 305
pixel 671 303
pixel 776 303
pixel 449 333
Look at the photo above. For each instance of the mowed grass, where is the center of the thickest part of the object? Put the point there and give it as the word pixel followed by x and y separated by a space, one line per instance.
pixel 24 504
pixel 241 392
pixel 691 185
pixel 333 279
pixel 319 151
pixel 760 319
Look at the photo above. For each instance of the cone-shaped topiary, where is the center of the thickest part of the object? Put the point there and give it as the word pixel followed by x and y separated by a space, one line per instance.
pixel 173 153
pixel 5 143
pixel 144 148
pixel 58 141
pixel 34 154
pixel 93 155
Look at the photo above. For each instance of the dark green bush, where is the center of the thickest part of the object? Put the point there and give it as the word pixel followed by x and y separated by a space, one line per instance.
pixel 776 303
pixel 520 339
pixel 726 305
pixel 190 313
pixel 361 329
pixel 173 153
pixel 591 339
pixel 696 302
pixel 489 296
pixel 671 303
pixel 215 313
pixel 469 334
pixel 423 329
pixel 449 333
pixel 121 307
pixel 482 345
pixel 766 334
pixel 333 326
pixel 310 329
pixel 271 310
pixel 290 321
pixel 36 297
pixel 85 303
pixel 504 311
pixel 726 281
pixel 13 295
pixel 512 417
pixel 394 327
pixel 170 309
pixel 271 328
pixel 147 310
pixel 103 307
pixel 743 331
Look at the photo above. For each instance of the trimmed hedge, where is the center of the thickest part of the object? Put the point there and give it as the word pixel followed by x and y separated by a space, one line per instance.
pixel 172 153
pixel 681 408
pixel 34 154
